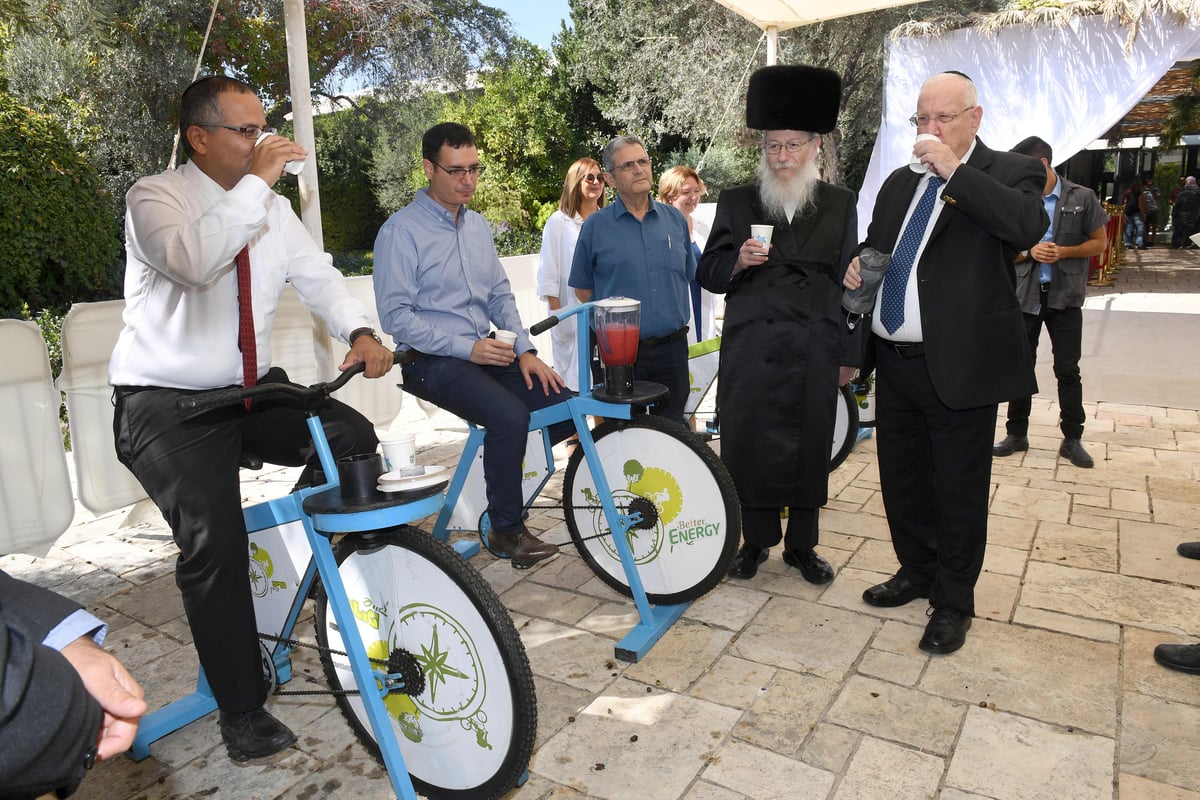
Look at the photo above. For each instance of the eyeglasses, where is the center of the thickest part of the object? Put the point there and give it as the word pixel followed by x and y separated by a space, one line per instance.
pixel 249 131
pixel 794 146
pixel 921 120
pixel 458 173
pixel 644 163
pixel 690 193
pixel 592 177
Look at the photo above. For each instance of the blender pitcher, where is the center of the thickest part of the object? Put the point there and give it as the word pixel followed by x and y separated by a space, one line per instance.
pixel 618 322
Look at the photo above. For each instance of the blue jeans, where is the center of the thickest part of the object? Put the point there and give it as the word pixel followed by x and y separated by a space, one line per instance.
pixel 495 399
pixel 1135 230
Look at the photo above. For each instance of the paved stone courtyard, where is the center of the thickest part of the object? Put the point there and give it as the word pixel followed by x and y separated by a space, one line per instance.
pixel 773 688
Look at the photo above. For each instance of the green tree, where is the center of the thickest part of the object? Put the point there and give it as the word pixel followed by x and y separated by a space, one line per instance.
pixel 59 243
pixel 676 73
pixel 520 121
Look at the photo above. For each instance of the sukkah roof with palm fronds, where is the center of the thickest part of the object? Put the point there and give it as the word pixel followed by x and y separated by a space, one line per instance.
pixel 1172 107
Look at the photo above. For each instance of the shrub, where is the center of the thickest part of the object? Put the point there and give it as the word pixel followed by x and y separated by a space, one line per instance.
pixel 60 245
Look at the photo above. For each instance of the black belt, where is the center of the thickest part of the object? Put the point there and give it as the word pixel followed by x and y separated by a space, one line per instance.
pixel 409 357
pixel 670 337
pixel 1044 287
pixel 905 349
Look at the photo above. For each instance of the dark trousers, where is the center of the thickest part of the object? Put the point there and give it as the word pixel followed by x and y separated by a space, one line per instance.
pixel 665 363
pixel 1065 327
pixel 762 528
pixel 495 399
pixel 935 469
pixel 190 470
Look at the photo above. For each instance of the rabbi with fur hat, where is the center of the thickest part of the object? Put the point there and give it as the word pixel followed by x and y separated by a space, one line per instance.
pixel 783 340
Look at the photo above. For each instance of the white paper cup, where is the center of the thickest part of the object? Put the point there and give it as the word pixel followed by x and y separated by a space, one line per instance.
pixel 399 452
pixel 290 167
pixel 763 234
pixel 915 164
pixel 508 337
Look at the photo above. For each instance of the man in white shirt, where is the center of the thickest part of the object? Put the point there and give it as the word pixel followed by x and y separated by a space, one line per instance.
pixel 185 232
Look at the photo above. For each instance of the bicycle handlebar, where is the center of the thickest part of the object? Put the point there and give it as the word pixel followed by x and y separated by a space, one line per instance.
pixel 197 404
pixel 543 326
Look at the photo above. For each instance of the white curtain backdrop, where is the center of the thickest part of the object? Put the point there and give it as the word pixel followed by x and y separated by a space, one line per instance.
pixel 1068 84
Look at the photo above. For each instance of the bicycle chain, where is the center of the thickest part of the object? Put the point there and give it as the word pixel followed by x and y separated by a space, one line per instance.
pixel 649 516
pixel 418 683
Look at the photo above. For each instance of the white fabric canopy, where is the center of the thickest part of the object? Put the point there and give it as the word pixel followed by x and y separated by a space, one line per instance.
pixel 1068 85
pixel 786 14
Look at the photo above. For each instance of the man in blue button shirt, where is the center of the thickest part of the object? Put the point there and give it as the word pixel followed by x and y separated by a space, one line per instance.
pixel 439 287
pixel 638 247
pixel 1051 282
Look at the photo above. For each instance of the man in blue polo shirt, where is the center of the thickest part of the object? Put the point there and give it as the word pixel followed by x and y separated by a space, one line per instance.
pixel 638 247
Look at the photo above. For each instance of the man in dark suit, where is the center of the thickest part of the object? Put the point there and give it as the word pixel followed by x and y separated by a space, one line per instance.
pixel 949 345
pixel 64 702
pixel 783 340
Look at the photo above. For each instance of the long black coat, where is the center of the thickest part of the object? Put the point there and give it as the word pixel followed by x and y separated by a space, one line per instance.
pixel 783 341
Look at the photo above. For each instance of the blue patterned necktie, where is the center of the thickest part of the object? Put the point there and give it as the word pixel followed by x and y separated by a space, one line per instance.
pixel 891 307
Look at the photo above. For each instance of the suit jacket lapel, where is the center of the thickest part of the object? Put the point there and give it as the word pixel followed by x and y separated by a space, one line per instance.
pixel 981 159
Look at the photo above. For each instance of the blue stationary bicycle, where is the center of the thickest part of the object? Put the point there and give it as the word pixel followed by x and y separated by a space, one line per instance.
pixel 648 504
pixel 451 709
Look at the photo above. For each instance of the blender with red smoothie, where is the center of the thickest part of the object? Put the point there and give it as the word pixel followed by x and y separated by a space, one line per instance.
pixel 618 323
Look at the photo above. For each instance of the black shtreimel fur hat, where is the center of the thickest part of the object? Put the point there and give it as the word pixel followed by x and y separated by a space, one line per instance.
pixel 793 97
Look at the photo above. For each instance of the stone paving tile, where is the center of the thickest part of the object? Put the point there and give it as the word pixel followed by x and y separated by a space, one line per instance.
pixel 829 747
pixel 561 653
pixel 732 606
pixel 1114 598
pixel 1064 623
pixel 805 637
pixel 1051 677
pixel 733 681
pixel 1133 787
pixel 681 656
pixel 782 716
pixel 766 775
pixel 1148 551
pixel 558 605
pixel 898 713
pixel 884 769
pixel 1148 747
pixel 1073 546
pixel 1004 755
pixel 675 735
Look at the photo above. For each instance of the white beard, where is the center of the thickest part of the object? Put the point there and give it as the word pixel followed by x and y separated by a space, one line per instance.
pixel 779 193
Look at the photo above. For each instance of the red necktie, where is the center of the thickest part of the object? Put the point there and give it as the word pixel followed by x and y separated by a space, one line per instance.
pixel 246 341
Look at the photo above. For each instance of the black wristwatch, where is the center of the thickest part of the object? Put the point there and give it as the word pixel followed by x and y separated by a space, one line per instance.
pixel 357 332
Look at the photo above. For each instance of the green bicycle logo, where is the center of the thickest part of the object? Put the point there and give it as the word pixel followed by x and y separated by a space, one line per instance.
pixel 455 685
pixel 261 570
pixel 651 491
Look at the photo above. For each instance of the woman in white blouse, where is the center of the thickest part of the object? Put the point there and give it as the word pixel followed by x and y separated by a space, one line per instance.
pixel 582 195
pixel 682 187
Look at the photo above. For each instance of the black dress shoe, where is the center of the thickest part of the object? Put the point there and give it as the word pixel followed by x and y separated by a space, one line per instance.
pixel 1188 549
pixel 1072 449
pixel 254 734
pixel 522 548
pixel 1010 444
pixel 814 568
pixel 1183 657
pixel 946 631
pixel 895 591
pixel 745 563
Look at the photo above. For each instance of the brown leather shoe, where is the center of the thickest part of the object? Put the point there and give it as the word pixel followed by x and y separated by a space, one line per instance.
pixel 522 547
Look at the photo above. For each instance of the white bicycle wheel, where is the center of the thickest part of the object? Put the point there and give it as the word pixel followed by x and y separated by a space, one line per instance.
pixel 469 732
pixel 845 427
pixel 691 521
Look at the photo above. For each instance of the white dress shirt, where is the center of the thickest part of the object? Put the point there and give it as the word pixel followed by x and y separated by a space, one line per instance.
pixel 183 232
pixel 910 330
